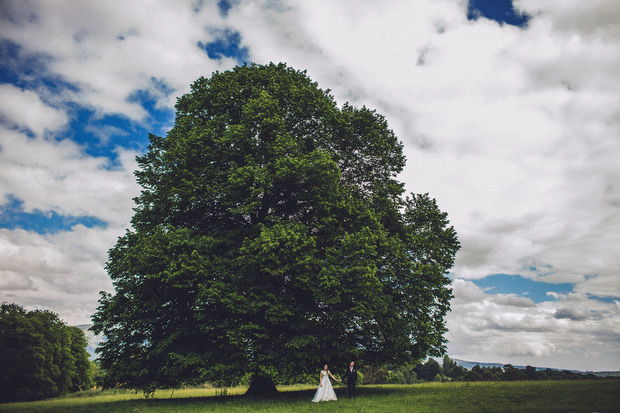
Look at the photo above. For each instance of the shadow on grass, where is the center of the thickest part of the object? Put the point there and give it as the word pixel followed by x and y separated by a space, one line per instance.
pixel 218 402
pixel 85 402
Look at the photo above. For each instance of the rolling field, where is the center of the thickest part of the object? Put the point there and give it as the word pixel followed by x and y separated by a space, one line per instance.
pixel 541 396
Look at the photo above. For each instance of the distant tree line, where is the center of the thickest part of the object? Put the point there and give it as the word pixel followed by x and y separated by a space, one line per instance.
pixel 40 356
pixel 449 370
pixel 431 370
pixel 511 373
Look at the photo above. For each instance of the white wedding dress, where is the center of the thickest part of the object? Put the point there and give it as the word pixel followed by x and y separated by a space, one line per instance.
pixel 325 392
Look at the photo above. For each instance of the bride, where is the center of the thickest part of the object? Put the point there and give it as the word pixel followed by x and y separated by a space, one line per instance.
pixel 325 391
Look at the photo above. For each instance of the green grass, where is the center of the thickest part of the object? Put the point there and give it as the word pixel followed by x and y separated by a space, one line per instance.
pixel 546 396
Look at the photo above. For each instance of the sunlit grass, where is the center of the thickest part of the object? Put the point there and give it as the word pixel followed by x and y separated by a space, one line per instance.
pixel 546 396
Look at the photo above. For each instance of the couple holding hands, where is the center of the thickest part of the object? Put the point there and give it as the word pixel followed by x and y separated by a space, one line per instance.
pixel 326 392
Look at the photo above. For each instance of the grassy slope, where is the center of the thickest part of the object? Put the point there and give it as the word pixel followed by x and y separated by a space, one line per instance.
pixel 549 396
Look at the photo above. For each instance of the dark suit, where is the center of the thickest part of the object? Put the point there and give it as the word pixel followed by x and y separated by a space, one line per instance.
pixel 351 380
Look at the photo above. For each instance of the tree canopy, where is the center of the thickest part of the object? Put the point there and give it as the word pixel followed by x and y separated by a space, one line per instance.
pixel 41 356
pixel 271 237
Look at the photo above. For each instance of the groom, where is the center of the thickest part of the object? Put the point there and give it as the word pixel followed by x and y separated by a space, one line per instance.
pixel 351 379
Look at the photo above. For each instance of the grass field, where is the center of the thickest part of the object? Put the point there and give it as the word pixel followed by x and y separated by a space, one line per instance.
pixel 545 396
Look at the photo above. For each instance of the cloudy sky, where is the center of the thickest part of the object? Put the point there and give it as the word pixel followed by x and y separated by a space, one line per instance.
pixel 508 111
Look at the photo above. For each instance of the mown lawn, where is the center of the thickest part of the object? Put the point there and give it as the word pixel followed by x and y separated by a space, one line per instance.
pixel 546 396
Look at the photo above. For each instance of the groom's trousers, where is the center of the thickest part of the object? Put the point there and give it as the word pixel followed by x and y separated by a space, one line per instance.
pixel 351 388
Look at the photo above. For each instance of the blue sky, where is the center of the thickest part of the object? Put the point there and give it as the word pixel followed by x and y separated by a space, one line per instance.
pixel 501 11
pixel 516 285
pixel 507 110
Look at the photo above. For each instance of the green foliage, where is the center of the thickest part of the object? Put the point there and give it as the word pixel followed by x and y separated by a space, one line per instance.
pixel 84 373
pixel 452 370
pixel 41 356
pixel 374 374
pixel 396 377
pixel 97 373
pixel 429 370
pixel 404 374
pixel 271 237
pixel 512 374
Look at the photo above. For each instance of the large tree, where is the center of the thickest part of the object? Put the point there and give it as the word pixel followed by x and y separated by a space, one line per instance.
pixel 271 236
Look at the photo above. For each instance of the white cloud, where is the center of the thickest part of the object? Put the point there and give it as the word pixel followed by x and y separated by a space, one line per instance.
pixel 521 345
pixel 63 271
pixel 507 329
pixel 49 175
pixel 24 109
pixel 111 49
pixel 105 132
pixel 10 280
pixel 592 19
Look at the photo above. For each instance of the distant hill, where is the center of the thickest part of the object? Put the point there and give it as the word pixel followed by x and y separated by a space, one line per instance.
pixel 605 373
pixel 470 364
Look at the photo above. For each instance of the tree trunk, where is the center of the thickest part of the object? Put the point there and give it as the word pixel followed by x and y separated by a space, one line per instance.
pixel 261 386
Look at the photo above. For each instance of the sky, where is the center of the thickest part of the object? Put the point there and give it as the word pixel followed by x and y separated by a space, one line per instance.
pixel 508 112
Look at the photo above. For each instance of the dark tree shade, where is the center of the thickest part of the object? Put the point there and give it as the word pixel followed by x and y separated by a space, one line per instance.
pixel 40 356
pixel 271 236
